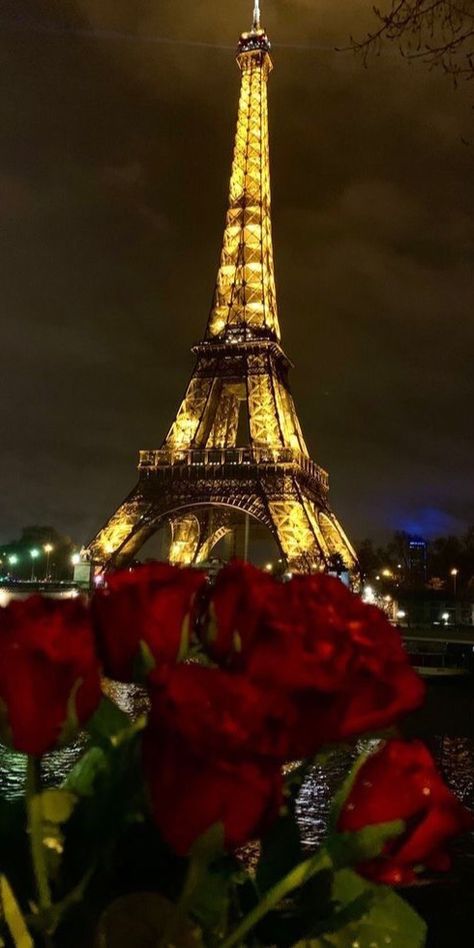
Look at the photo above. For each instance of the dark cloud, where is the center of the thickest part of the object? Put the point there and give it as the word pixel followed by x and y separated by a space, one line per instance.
pixel 113 174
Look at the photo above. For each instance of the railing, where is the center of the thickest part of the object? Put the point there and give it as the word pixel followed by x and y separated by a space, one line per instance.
pixel 233 457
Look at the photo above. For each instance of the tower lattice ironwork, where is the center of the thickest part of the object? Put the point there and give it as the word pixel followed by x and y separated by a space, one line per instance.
pixel 236 444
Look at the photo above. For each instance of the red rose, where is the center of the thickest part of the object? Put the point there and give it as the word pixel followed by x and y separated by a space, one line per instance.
pixel 339 661
pixel 189 793
pixel 236 605
pixel 213 752
pixel 219 713
pixel 400 782
pixel 150 604
pixel 46 653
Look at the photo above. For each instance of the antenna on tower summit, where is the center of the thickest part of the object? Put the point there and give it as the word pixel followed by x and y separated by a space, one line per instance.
pixel 256 15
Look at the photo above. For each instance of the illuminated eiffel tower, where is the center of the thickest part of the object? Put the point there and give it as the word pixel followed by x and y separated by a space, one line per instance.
pixel 235 446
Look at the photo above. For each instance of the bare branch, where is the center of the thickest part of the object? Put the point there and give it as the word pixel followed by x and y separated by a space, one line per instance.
pixel 439 32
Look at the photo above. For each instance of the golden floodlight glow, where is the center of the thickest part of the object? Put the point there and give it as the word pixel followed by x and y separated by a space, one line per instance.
pixel 235 446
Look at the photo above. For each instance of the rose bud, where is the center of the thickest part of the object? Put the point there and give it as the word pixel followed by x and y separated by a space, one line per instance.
pixel 235 610
pixel 400 782
pixel 151 604
pixel 48 671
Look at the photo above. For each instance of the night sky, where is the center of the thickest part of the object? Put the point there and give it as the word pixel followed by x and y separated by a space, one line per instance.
pixel 114 165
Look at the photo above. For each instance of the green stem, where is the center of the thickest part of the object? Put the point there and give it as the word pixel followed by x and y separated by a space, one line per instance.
pixel 296 878
pixel 180 911
pixel 35 830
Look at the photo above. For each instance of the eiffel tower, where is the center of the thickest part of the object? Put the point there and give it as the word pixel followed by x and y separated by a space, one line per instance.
pixel 235 447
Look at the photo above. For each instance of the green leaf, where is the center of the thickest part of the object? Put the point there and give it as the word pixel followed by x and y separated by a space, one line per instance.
pixel 206 891
pixel 209 902
pixel 108 723
pixel 280 852
pixel 11 914
pixel 143 664
pixel 388 920
pixel 295 879
pixel 344 790
pixel 348 849
pixel 140 920
pixel 73 897
pixel 82 779
pixel 339 852
pixel 185 639
pixel 70 728
pixel 57 805
pixel 209 845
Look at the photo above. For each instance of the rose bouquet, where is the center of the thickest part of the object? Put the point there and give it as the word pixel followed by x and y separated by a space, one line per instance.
pixel 178 827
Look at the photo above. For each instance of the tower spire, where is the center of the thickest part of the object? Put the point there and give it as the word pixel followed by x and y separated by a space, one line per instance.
pixel 245 297
pixel 256 15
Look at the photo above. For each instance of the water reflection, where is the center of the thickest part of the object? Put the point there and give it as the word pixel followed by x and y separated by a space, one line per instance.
pixel 454 755
pixel 316 794
pixel 55 766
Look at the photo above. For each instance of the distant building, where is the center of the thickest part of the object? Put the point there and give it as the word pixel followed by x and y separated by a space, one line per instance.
pixel 417 560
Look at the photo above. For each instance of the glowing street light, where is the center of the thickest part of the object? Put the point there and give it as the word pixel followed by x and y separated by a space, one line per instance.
pixel 454 572
pixel 12 559
pixel 368 594
pixel 445 617
pixel 34 556
pixel 387 573
pixel 75 559
pixel 48 549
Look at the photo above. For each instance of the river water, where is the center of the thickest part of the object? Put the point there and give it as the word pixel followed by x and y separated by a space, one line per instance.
pixel 446 724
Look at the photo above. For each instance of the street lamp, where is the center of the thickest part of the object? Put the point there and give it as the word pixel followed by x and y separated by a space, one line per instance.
pixel 48 549
pixel 34 556
pixel 75 559
pixel 12 559
pixel 454 573
pixel 445 617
